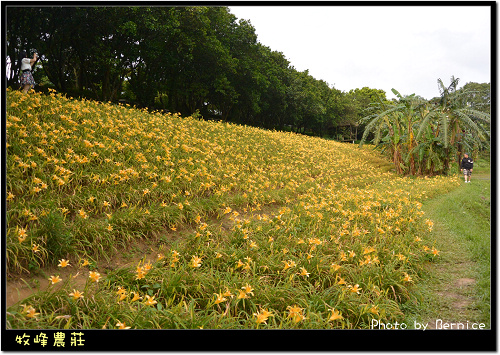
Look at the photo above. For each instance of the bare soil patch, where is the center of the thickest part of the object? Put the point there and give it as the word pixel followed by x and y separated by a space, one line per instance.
pixel 465 282
pixel 455 295
pixel 22 286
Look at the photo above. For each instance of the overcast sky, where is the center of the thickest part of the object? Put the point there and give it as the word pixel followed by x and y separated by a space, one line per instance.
pixel 383 47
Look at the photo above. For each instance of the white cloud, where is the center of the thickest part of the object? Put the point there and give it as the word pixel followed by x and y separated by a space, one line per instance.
pixel 383 47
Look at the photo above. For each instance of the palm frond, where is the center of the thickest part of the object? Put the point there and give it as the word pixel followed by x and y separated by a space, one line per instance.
pixel 475 130
pixel 441 87
pixel 478 115
pixel 425 124
pixel 453 85
pixel 374 121
pixel 444 124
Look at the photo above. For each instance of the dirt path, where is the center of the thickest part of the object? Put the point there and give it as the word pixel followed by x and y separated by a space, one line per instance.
pixel 22 286
pixel 455 297
pixel 451 288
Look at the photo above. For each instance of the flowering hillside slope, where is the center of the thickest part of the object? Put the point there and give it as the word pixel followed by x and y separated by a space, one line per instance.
pixel 283 230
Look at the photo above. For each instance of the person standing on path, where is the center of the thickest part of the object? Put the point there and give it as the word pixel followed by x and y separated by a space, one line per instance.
pixel 466 166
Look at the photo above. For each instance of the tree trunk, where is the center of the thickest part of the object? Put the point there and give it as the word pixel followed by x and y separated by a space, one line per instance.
pixel 446 166
pixel 397 160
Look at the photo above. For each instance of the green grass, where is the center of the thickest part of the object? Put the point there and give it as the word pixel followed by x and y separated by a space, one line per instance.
pixel 481 167
pixel 462 230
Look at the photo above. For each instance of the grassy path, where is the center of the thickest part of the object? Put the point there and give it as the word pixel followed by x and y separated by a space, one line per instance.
pixel 457 287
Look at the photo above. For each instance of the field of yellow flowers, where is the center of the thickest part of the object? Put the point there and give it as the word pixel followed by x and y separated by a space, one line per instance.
pixel 280 230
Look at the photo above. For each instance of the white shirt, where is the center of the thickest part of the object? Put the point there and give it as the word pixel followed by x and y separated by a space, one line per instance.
pixel 25 64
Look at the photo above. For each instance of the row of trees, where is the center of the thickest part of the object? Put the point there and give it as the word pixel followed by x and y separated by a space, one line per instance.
pixel 427 136
pixel 202 59
pixel 180 59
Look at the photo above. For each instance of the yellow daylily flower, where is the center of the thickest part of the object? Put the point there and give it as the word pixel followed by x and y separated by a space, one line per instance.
pixel 94 276
pixel 150 300
pixel 262 316
pixel 55 279
pixel 63 263
pixel 121 325
pixel 336 315
pixel 76 294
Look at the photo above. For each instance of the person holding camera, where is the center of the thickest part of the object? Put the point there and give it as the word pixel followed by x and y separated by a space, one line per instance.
pixel 27 81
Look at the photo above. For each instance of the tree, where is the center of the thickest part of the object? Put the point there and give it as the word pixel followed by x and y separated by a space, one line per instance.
pixel 478 96
pixel 22 33
pixel 84 51
pixel 359 103
pixel 266 87
pixel 364 98
pixel 305 98
pixel 389 126
pixel 443 127
pixel 460 126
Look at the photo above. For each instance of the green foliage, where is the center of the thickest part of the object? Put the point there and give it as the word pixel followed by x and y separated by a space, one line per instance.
pixel 180 60
pixel 248 228
pixel 427 137
pixel 57 237
pixel 364 100
pixel 479 96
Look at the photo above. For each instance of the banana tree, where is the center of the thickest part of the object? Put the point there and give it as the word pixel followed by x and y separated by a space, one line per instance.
pixel 413 110
pixel 457 124
pixel 387 129
pixel 397 121
pixel 429 152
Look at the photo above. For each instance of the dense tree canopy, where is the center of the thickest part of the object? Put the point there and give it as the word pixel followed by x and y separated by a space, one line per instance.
pixel 180 59
pixel 202 60
pixel 479 97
